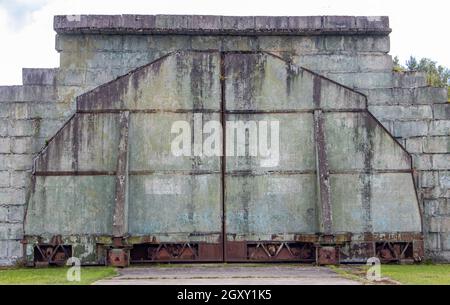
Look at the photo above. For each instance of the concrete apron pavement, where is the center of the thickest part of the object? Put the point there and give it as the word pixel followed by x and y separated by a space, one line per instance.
pixel 219 274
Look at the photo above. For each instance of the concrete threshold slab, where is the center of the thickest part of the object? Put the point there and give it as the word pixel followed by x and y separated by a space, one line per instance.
pixel 227 275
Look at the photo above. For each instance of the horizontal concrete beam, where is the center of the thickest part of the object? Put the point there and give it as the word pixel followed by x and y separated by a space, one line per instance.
pixel 221 25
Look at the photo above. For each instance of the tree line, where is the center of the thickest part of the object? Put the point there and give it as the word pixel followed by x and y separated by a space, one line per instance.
pixel 437 75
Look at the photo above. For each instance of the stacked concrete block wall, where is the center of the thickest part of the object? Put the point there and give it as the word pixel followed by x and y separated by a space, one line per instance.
pixel 419 117
pixel 20 125
pixel 353 51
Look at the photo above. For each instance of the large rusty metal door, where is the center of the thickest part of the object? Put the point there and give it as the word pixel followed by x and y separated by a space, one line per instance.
pixel 303 173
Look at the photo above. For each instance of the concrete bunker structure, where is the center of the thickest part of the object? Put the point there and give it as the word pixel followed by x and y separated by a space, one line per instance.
pixel 106 188
pixel 343 190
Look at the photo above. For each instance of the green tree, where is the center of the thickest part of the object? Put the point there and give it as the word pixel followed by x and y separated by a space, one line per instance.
pixel 397 65
pixel 437 75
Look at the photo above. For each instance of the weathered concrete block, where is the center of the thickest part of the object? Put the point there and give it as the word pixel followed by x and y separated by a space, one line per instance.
pixel 439 144
pixel 11 94
pixel 174 22
pixel 440 224
pixel 392 96
pixel 4 162
pixel 136 43
pixel 3 213
pixel 68 43
pixel 29 93
pixel 11 231
pixel 436 192
pixel 444 207
pixel 22 145
pixel 238 23
pixel 305 22
pixel 271 22
pixel 10 250
pixel 5 145
pixel 15 249
pixel 432 241
pixel 368 44
pixel 22 128
pixel 102 43
pixel 168 43
pixel 5 110
pixel 9 196
pixel 20 111
pixel 333 43
pixel 283 44
pixel 402 112
pixel 100 76
pixel 205 23
pixel 20 162
pixel 430 95
pixel 133 60
pixel 52 110
pixel 3 252
pixel 362 79
pixel 441 161
pixel 4 179
pixel 444 179
pixel 410 129
pixel 16 213
pixel 340 22
pixel 345 63
pixel 20 179
pixel 441 111
pixel 409 79
pixel 405 96
pixel 422 162
pixel 100 60
pixel 415 145
pixel 440 127
pixel 33 76
pixel 445 240
pixel 301 44
pixel 431 207
pixel 43 93
pixel 428 178
pixel 206 43
pixel 372 22
pixel 71 77
pixel 48 128
pixel 435 224
pixel 239 43
pixel 4 128
pixel 387 96
pixel 137 21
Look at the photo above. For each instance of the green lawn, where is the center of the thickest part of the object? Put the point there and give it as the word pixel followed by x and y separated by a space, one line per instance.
pixel 52 275
pixel 418 274
pixel 423 274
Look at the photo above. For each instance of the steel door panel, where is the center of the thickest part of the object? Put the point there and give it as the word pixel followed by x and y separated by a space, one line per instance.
pixel 151 143
pixel 296 143
pixel 176 207
pixel 355 141
pixel 259 207
pixel 79 212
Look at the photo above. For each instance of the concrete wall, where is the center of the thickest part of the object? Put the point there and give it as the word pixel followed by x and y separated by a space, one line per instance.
pixel 350 50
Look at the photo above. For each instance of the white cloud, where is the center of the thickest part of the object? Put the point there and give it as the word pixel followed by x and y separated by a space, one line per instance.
pixel 419 28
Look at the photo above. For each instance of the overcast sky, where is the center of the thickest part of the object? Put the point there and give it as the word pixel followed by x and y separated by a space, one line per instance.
pixel 420 28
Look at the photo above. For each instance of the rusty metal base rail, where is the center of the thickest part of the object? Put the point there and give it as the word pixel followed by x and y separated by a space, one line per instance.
pixel 304 248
